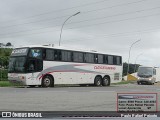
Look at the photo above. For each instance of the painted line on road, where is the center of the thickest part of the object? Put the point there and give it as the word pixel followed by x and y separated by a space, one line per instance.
pixel 57 91
pixel 103 91
pixel 83 91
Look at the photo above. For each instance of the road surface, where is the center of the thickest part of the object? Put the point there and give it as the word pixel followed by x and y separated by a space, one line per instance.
pixel 68 98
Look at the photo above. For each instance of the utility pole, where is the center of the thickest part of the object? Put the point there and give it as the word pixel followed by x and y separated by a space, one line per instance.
pixel 63 25
pixel 129 56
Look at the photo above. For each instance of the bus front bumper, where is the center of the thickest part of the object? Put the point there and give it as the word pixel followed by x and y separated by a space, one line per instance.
pixel 145 81
pixel 17 81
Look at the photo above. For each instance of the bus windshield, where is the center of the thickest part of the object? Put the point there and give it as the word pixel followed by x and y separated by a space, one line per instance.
pixel 22 62
pixel 17 65
pixel 145 71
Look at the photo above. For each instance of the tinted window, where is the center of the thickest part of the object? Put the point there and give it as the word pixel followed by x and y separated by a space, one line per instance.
pixel 34 65
pixel 100 58
pixel 105 59
pixel 57 55
pixel 77 57
pixel 66 56
pixel 35 53
pixel 89 58
pixel 17 64
pixel 49 54
pixel 147 71
pixel 110 60
pixel 118 61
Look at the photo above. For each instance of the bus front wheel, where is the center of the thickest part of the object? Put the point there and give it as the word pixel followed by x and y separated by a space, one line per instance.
pixel 98 81
pixel 47 81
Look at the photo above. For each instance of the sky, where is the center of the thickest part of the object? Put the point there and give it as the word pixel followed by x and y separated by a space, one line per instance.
pixel 109 26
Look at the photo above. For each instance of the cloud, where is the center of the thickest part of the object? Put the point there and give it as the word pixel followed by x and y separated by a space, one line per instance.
pixel 39 22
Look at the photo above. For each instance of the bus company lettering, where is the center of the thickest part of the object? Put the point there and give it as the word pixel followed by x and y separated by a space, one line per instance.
pixel 104 67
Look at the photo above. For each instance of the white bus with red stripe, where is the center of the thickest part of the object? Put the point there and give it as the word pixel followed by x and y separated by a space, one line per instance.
pixel 47 66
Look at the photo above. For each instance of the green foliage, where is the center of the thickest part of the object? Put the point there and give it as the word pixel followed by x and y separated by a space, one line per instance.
pixel 5 84
pixel 3 74
pixel 5 51
pixel 4 57
pixel 4 61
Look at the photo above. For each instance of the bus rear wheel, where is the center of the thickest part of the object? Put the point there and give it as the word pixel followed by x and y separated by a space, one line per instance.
pixel 106 81
pixel 98 81
pixel 47 81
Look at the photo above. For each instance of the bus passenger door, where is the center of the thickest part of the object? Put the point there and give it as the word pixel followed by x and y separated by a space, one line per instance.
pixel 34 67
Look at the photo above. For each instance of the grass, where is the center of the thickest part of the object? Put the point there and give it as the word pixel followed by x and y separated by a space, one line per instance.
pixel 125 82
pixel 5 84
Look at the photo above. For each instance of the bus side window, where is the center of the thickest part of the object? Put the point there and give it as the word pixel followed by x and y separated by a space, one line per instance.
pixel 71 56
pixel 100 59
pixel 66 56
pixel 59 55
pixel 105 59
pixel 96 58
pixel 118 60
pixel 49 54
pixel 55 54
pixel 89 57
pixel 78 57
pixel 110 60
pixel 114 60
pixel 44 54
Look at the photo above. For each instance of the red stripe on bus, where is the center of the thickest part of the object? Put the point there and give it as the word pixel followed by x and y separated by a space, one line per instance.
pixel 63 71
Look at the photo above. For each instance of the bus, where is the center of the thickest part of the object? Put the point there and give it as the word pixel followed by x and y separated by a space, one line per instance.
pixel 46 66
pixel 148 75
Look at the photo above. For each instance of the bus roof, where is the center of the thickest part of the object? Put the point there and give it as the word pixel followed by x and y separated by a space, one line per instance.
pixel 63 48
pixel 148 67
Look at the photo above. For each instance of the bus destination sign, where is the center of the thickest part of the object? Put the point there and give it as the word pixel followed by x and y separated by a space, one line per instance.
pixel 19 52
pixel 137 102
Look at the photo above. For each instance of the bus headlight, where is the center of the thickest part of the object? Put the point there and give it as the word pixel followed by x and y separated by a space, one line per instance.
pixel 150 78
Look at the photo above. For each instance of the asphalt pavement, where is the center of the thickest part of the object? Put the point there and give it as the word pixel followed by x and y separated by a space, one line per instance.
pixel 68 98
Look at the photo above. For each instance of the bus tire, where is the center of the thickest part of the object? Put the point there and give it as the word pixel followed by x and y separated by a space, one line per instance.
pixel 98 81
pixel 138 83
pixel 106 81
pixel 47 81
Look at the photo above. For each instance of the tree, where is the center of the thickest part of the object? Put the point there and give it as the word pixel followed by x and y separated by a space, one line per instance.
pixel 2 44
pixel 4 56
pixel 7 53
pixel 8 44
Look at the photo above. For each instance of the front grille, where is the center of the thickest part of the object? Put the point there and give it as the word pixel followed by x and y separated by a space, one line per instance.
pixel 145 76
